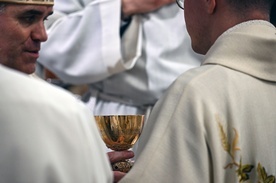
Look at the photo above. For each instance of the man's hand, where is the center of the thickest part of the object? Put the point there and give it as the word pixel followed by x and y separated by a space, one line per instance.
pixel 131 7
pixel 116 156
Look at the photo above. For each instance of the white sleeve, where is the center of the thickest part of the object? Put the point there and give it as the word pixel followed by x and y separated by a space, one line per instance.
pixel 84 44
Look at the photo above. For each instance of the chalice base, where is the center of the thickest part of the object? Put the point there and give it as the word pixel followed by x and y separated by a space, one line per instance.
pixel 122 166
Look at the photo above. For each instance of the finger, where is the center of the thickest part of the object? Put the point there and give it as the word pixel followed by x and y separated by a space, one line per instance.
pixel 118 176
pixel 116 156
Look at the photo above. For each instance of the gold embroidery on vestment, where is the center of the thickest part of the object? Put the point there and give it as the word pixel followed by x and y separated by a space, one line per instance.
pixel 243 171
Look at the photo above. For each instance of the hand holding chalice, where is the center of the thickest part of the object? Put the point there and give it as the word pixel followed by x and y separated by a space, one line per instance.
pixel 120 133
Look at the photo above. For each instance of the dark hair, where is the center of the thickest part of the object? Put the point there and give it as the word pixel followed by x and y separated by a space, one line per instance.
pixel 2 7
pixel 242 5
pixel 273 14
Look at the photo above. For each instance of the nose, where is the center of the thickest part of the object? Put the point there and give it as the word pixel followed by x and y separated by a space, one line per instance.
pixel 39 33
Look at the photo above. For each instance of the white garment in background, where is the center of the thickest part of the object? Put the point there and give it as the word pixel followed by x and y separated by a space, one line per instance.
pixel 126 75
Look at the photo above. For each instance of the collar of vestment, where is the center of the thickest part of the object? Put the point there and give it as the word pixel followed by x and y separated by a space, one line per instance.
pixel 249 47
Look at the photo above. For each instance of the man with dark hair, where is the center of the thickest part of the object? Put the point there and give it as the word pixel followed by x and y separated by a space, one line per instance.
pixel 217 123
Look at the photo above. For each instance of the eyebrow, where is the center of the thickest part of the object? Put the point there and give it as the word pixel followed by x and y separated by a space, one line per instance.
pixel 33 12
pixel 36 12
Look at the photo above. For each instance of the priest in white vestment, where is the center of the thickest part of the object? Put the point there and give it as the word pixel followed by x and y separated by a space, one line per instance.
pixel 217 123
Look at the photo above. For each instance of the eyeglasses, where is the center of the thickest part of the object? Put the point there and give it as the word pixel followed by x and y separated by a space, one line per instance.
pixel 180 3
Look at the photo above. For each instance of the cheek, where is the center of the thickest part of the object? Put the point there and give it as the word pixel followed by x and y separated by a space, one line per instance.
pixel 6 42
pixel 12 38
pixel 195 24
pixel 12 41
pixel 8 35
pixel 190 23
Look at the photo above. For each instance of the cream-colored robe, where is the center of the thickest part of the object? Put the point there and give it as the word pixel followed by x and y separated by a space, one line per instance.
pixel 46 135
pixel 216 122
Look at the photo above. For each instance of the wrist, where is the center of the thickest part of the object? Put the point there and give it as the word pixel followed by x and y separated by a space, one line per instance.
pixel 125 19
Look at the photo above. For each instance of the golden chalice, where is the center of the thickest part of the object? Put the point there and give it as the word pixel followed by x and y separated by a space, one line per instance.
pixel 120 132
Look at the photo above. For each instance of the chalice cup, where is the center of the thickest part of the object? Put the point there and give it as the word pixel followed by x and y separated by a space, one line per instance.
pixel 120 133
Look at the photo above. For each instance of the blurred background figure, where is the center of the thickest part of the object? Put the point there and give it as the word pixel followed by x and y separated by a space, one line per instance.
pixel 126 51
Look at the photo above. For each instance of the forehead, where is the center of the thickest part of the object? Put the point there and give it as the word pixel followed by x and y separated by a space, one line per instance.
pixel 42 9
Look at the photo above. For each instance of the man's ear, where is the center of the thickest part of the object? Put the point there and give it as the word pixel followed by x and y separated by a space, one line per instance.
pixel 211 6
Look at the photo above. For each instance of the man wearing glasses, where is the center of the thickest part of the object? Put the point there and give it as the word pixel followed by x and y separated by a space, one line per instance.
pixel 217 122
